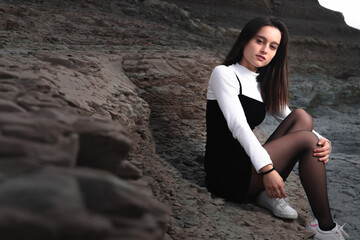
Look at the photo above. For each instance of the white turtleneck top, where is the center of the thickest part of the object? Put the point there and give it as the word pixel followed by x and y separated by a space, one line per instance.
pixel 224 87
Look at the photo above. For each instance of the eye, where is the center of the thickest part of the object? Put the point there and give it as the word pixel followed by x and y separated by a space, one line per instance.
pixel 272 47
pixel 259 41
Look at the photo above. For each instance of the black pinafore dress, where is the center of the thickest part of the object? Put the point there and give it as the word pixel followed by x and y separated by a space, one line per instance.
pixel 227 166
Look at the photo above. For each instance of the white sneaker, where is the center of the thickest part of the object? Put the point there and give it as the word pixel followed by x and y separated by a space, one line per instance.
pixel 337 233
pixel 278 206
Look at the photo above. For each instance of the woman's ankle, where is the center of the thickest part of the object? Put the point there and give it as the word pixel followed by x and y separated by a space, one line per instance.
pixel 327 227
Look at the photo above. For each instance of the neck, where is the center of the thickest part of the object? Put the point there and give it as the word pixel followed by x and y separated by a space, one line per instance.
pixel 252 69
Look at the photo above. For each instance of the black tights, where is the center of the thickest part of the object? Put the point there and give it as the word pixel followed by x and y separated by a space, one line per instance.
pixel 294 141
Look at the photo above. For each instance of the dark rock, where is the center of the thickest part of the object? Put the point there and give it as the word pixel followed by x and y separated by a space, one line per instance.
pixel 45 205
pixel 105 194
pixel 127 170
pixel 8 106
pixel 7 75
pixel 38 139
pixel 102 144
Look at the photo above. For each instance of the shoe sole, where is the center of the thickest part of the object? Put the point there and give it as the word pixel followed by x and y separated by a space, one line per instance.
pixel 291 217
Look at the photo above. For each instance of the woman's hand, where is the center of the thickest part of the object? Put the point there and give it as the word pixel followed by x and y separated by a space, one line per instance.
pixel 274 185
pixel 322 152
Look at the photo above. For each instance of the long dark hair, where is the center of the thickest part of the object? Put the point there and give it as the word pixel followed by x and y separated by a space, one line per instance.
pixel 274 76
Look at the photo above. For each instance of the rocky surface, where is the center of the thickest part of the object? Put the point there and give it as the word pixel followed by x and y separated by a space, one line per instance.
pixel 102 130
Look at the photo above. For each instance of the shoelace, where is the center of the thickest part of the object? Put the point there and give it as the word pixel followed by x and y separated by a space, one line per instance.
pixel 283 202
pixel 342 231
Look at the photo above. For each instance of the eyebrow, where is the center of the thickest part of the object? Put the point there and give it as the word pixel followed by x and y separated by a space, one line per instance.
pixel 262 37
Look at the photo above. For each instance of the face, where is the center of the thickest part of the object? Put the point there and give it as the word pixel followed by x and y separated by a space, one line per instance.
pixel 261 49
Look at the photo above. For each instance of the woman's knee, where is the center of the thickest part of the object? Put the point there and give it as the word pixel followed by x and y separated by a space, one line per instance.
pixel 303 118
pixel 310 140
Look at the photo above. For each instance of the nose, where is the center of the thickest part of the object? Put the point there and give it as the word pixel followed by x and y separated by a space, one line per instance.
pixel 264 49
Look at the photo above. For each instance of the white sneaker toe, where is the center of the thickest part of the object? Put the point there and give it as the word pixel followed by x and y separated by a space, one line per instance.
pixel 280 207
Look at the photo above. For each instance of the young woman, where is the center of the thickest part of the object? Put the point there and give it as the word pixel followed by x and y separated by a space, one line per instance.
pixel 252 80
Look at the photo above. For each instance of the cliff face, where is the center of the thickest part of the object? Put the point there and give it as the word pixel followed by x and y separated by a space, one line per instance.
pixel 321 31
pixel 302 17
pixel 102 111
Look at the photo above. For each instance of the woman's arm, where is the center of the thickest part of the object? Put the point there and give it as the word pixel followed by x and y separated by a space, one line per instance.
pixel 225 86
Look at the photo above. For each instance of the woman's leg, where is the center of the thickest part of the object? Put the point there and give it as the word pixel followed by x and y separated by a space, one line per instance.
pixel 296 121
pixel 293 141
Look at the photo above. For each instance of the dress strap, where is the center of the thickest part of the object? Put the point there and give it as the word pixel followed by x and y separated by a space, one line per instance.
pixel 239 83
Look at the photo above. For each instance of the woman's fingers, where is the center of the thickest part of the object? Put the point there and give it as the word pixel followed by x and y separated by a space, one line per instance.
pixel 282 193
pixel 279 193
pixel 274 185
pixel 323 152
pixel 323 145
pixel 322 156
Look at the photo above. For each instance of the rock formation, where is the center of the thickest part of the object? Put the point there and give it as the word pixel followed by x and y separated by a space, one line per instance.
pixel 102 126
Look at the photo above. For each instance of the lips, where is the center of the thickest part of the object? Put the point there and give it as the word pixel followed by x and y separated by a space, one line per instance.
pixel 260 57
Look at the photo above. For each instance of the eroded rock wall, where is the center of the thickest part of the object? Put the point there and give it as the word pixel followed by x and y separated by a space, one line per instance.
pixel 69 117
